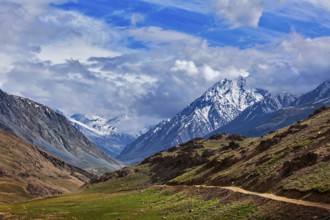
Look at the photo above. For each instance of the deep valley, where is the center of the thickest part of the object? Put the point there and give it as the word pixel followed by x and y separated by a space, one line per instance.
pixel 205 178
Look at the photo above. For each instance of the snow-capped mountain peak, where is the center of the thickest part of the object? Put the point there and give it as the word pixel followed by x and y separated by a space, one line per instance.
pixel 276 111
pixel 108 134
pixel 233 92
pixel 225 100
pixel 94 123
pixel 215 108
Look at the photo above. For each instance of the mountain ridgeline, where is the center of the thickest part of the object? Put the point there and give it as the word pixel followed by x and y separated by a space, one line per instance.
pixel 50 130
pixel 227 107
pixel 90 142
pixel 275 112
pixel 104 133
pixel 215 108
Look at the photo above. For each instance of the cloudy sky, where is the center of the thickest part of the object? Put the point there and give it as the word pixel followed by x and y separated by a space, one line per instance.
pixel 150 58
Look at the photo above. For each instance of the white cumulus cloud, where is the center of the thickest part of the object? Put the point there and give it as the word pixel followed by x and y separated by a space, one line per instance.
pixel 187 67
pixel 209 73
pixel 240 12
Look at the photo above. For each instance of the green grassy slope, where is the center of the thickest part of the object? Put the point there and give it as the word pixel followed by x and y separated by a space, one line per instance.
pixel 293 162
pixel 124 198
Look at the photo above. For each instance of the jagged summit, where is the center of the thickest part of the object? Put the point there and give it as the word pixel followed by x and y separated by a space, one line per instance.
pixel 276 111
pixel 234 92
pixel 226 84
pixel 220 104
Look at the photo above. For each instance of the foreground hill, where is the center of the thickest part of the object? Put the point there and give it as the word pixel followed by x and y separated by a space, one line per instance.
pixel 220 178
pixel 50 130
pixel 27 171
pixel 293 161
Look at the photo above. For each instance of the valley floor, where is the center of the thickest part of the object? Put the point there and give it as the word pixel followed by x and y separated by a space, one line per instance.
pixel 283 175
pixel 133 197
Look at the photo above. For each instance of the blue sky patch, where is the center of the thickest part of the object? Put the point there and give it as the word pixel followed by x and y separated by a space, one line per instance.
pixel 203 25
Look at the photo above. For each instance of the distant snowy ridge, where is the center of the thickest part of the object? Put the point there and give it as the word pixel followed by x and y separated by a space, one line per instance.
pixel 104 133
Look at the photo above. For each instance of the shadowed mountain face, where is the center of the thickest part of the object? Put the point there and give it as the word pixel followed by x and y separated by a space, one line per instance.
pixel 50 130
pixel 27 171
pixel 322 92
pixel 216 107
pixel 276 112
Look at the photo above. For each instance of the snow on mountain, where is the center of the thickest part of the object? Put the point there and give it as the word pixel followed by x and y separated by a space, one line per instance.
pixel 215 108
pixel 44 127
pixel 254 115
pixel 321 92
pixel 271 103
pixel 106 133
pixel 94 123
pixel 276 111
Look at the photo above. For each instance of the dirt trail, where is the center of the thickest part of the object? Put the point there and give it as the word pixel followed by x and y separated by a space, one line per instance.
pixel 270 196
pixel 267 196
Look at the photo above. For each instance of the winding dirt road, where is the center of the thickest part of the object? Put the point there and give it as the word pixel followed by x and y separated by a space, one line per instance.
pixel 266 195
pixel 270 196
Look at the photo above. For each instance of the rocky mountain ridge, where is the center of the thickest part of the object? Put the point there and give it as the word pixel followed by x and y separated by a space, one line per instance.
pixel 215 108
pixel 50 130
pixel 228 107
pixel 276 112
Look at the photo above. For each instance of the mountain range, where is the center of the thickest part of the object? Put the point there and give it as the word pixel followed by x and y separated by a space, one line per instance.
pixel 42 126
pixel 277 111
pixel 105 133
pixel 227 107
pixel 215 108
pixel 230 106
pixel 282 175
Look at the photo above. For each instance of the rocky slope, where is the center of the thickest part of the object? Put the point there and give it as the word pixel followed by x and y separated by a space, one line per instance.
pixel 27 171
pixel 215 108
pixel 50 130
pixel 292 162
pixel 275 112
pixel 105 133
